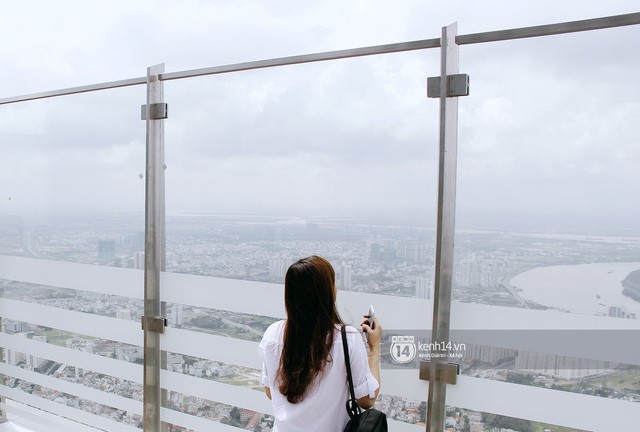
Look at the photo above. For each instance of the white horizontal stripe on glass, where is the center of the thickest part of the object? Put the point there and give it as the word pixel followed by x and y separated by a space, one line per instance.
pixel 79 390
pixel 400 426
pixel 96 363
pixel 241 397
pixel 211 347
pixel 267 299
pixel 41 420
pixel 84 277
pixel 465 316
pixel 544 405
pixel 129 332
pixel 404 383
pixel 192 422
pixel 66 411
pixel 258 298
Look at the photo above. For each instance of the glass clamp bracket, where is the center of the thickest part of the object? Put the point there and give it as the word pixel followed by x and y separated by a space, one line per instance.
pixel 154 324
pixel 155 111
pixel 457 85
pixel 445 372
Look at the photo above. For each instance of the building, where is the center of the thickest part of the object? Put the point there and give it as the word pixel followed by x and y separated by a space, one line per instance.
pixel 138 260
pixel 488 354
pixel 343 277
pixel 466 273
pixel 177 315
pixel 13 357
pixel 616 311
pixel 124 314
pixel 107 249
pixel 34 362
pixel 561 366
pixel 423 288
pixel 11 326
pixel 278 266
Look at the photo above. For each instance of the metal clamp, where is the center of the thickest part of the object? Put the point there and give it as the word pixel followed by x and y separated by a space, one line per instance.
pixel 457 85
pixel 154 111
pixel 154 324
pixel 445 372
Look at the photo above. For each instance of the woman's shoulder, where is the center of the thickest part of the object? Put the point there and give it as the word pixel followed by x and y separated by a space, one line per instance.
pixel 273 333
pixel 351 331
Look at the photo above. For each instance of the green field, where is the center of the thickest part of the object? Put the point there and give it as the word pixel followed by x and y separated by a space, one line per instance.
pixel 59 337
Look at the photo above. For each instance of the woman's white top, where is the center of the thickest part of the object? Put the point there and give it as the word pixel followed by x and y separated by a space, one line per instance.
pixel 324 405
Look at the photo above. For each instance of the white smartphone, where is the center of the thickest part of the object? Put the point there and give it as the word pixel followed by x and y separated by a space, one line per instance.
pixel 372 315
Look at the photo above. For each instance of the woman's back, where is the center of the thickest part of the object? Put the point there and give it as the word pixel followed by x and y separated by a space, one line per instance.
pixel 323 406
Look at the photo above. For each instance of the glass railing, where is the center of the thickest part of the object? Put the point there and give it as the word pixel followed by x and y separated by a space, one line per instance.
pixel 272 187
pixel 89 364
pixel 91 361
pixel 72 228
pixel 544 246
pixel 268 166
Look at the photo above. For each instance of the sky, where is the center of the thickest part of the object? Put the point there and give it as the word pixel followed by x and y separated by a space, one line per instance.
pixel 548 135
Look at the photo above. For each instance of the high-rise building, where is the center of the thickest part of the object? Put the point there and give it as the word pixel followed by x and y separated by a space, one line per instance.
pixel 124 314
pixel 561 366
pixel 137 241
pixel 13 357
pixel 375 253
pixel 423 288
pixel 34 362
pixel 177 315
pixel 278 266
pixel 138 260
pixel 343 277
pixel 466 273
pixel 488 354
pixel 106 249
pixel 617 311
pixel 12 326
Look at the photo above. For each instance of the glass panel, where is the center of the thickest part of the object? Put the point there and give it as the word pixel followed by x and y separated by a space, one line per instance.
pixel 547 223
pixel 71 232
pixel 71 176
pixel 337 159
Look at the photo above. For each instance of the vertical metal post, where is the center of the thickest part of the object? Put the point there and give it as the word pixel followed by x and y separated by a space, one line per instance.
pixel 446 224
pixel 154 247
pixel 3 414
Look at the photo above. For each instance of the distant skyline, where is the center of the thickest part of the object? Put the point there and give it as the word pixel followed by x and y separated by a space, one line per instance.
pixel 548 136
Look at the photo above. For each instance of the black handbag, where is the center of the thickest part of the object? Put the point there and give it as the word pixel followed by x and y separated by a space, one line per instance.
pixel 370 420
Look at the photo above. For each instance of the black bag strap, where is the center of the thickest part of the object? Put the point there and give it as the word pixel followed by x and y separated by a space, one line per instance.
pixel 352 405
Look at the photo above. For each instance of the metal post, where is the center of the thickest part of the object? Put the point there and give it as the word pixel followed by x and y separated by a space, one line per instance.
pixel 153 112
pixel 3 414
pixel 446 224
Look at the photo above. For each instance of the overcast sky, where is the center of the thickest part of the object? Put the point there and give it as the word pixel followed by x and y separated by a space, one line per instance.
pixel 549 133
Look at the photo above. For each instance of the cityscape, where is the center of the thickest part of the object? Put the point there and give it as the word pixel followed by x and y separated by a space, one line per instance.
pixel 381 257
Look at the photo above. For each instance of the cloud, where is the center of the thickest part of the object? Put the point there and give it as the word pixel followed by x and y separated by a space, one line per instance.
pixel 550 123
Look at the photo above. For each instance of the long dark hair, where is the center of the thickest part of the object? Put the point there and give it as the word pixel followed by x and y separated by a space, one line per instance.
pixel 309 298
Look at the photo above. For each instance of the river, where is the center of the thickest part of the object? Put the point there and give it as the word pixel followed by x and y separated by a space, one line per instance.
pixel 582 288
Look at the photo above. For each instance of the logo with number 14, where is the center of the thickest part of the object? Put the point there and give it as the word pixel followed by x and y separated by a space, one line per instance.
pixel 403 349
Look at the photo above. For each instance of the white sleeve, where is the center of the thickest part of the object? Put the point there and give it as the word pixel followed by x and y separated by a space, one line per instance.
pixel 269 353
pixel 264 349
pixel 264 377
pixel 364 382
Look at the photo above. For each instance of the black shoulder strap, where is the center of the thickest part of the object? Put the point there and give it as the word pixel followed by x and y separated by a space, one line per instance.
pixel 352 406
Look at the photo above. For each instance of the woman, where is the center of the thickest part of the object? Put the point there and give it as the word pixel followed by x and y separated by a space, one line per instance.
pixel 303 370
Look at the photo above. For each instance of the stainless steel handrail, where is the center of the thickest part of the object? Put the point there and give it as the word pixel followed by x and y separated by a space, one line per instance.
pixel 492 36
